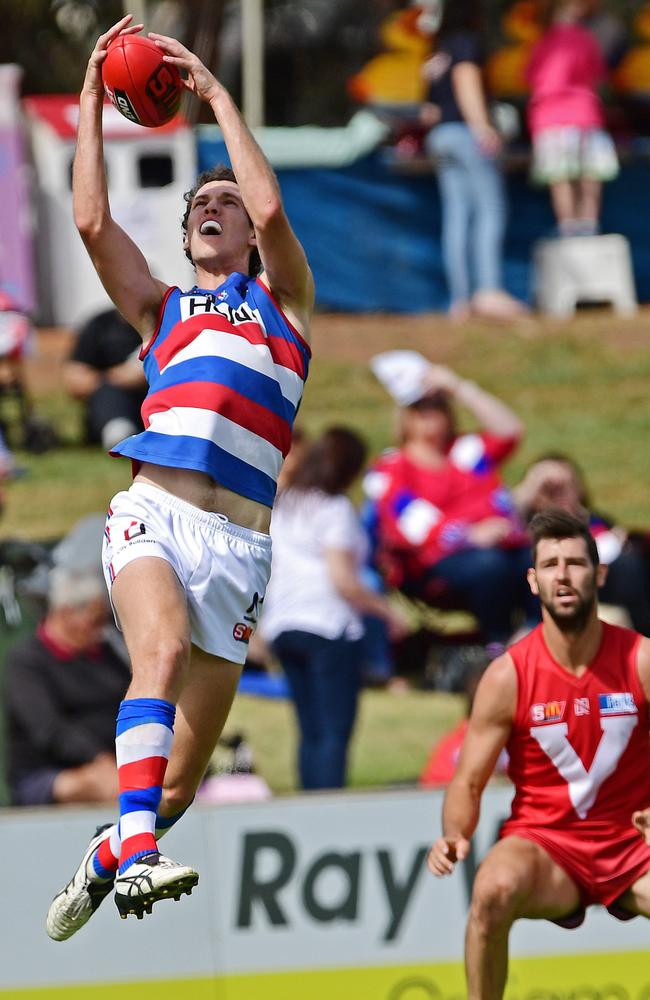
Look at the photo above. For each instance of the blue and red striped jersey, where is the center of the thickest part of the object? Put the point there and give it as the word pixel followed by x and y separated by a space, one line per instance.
pixel 226 372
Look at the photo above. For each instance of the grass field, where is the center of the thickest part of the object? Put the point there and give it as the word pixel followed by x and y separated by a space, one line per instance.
pixel 580 387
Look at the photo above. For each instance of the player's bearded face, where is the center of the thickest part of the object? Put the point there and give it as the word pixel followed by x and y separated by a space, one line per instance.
pixel 566 581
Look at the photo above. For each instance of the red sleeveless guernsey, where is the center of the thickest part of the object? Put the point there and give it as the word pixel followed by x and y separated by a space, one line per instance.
pixel 579 748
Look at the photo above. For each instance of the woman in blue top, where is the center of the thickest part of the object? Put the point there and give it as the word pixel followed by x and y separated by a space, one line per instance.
pixel 466 146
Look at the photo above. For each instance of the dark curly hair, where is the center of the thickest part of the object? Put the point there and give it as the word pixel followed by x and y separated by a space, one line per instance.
pixel 219 173
pixel 555 523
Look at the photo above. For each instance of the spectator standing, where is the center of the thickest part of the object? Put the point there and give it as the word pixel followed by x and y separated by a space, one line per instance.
pixel 63 687
pixel 443 520
pixel 315 599
pixel 572 152
pixel 105 373
pixel 466 147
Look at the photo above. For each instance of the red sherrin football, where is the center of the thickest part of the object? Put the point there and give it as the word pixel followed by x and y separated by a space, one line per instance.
pixel 142 87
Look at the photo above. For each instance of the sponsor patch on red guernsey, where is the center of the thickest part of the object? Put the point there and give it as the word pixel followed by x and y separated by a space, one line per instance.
pixel 547 711
pixel 617 704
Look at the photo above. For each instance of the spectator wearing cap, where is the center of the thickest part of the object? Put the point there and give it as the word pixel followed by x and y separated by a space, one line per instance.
pixel 441 518
pixel 63 686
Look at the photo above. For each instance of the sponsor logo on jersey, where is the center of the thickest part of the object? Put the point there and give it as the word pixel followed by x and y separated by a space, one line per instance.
pixel 198 304
pixel 617 704
pixel 581 706
pixel 134 529
pixel 547 711
pixel 242 632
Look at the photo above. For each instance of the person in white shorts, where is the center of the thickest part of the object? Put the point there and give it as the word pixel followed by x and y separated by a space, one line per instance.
pixel 187 549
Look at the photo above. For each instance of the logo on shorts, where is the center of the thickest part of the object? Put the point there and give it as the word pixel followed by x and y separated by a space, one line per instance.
pixel 549 711
pixel 242 632
pixel 254 608
pixel 134 529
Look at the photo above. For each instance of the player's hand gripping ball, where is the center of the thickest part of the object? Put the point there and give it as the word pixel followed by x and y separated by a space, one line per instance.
pixel 142 87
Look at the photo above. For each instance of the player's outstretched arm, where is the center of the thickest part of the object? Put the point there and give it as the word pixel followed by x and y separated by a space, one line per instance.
pixel 487 734
pixel 121 266
pixel 286 271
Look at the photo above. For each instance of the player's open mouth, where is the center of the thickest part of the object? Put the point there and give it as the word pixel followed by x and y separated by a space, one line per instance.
pixel 210 228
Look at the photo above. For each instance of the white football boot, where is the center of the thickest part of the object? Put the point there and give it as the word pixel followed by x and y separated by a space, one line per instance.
pixel 150 878
pixel 75 904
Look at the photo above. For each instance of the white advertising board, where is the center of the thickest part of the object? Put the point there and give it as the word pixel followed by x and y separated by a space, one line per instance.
pixel 311 898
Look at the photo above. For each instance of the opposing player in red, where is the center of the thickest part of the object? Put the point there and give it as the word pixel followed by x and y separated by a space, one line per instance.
pixel 569 702
pixel 187 550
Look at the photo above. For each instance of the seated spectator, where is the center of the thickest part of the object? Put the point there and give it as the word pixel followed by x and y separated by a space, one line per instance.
pixel 315 600
pixel 105 373
pixel 63 687
pixel 442 520
pixel 555 480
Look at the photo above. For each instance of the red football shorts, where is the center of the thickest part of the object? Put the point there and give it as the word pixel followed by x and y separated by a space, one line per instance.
pixel 602 860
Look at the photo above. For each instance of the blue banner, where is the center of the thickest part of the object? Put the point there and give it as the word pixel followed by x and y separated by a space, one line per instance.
pixel 372 234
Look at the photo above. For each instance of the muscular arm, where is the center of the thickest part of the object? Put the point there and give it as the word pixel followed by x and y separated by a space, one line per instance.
pixel 285 266
pixel 119 263
pixel 487 734
pixel 286 272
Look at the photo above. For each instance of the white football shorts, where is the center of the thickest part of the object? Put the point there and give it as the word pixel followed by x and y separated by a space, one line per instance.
pixel 223 567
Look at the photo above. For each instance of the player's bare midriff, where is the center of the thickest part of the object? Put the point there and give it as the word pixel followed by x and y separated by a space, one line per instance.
pixel 202 491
